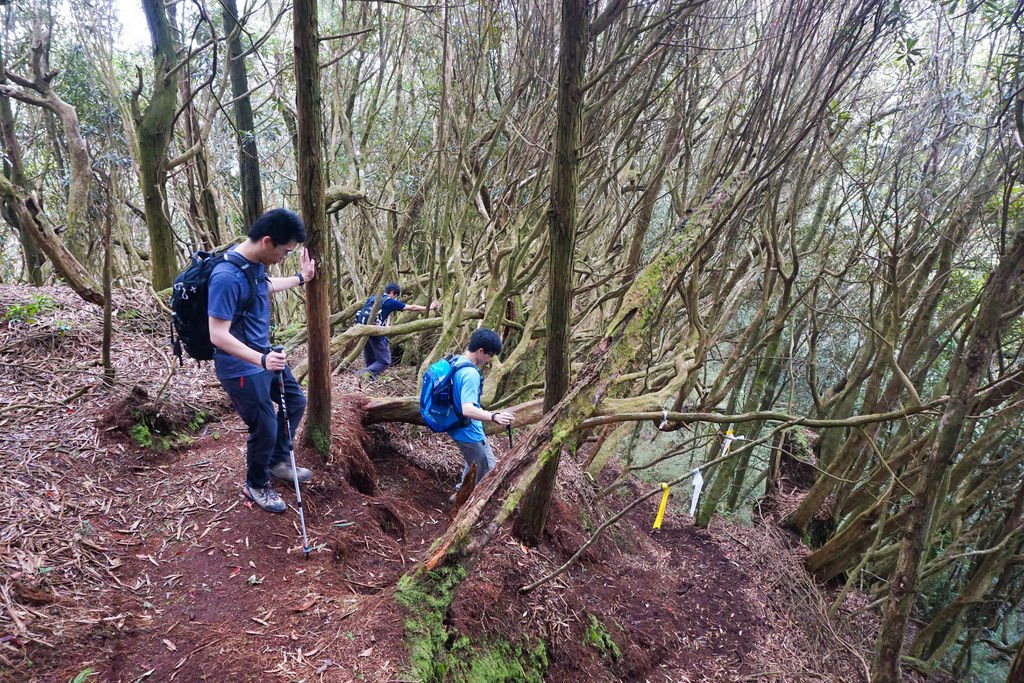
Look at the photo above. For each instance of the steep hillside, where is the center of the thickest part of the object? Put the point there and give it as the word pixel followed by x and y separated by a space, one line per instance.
pixel 127 551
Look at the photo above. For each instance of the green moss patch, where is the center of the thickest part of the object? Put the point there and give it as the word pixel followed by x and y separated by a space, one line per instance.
pixel 597 636
pixel 440 653
pixel 154 424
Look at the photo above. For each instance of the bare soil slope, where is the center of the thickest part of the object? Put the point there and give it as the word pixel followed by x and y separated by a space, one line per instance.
pixel 137 563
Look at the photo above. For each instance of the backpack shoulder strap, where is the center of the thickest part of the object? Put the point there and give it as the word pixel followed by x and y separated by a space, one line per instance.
pixel 250 276
pixel 460 364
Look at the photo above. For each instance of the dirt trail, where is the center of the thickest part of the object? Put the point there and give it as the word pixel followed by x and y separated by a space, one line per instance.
pixel 215 588
pixel 212 589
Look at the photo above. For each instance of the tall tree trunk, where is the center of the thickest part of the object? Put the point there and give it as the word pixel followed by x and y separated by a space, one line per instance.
pixel 154 127
pixel 565 180
pixel 963 378
pixel 248 156
pixel 311 197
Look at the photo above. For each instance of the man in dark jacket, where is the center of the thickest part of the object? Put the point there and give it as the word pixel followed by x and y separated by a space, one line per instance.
pixel 377 352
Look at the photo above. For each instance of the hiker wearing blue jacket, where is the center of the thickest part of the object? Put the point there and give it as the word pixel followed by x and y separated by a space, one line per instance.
pixel 246 366
pixel 468 383
pixel 377 352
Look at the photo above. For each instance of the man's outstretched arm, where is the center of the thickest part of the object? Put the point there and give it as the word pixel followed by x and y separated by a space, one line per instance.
pixel 307 270
pixel 473 413
pixel 416 308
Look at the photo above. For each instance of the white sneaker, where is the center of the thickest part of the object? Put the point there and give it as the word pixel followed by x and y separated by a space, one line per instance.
pixel 283 471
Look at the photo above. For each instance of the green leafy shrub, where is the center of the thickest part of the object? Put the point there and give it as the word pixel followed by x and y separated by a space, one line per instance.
pixel 27 313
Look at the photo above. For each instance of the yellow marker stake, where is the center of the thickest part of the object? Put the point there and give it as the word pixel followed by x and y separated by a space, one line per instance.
pixel 661 508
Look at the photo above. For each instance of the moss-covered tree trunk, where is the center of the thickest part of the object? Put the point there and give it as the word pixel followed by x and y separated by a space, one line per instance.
pixel 311 197
pixel 936 639
pixel 35 221
pixel 154 126
pixel 14 171
pixel 37 90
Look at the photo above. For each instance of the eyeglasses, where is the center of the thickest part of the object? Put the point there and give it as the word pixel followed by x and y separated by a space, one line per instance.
pixel 284 248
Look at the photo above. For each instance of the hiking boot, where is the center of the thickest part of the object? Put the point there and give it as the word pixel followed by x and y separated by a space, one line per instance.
pixel 266 497
pixel 283 471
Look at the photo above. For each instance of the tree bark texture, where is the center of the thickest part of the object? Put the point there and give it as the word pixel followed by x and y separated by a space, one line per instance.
pixel 37 90
pixel 14 170
pixel 35 221
pixel 311 196
pixel 936 639
pixel 565 181
pixel 154 127
pixel 245 133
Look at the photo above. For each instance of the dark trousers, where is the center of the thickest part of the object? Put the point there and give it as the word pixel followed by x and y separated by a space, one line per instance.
pixel 255 399
pixel 377 354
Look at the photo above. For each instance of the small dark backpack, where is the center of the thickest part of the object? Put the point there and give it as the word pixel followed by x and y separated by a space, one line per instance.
pixel 363 315
pixel 189 298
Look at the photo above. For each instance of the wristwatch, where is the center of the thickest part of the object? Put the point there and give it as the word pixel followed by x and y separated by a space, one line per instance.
pixel 302 280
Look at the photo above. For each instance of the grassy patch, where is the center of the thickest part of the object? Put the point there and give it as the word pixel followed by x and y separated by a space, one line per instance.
pixel 426 637
pixel 503 662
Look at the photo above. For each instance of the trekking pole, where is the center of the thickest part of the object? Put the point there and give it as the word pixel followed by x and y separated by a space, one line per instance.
pixel 291 454
pixel 509 428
